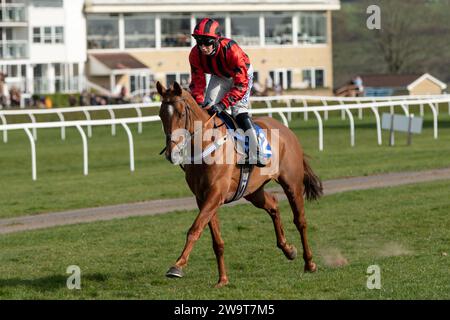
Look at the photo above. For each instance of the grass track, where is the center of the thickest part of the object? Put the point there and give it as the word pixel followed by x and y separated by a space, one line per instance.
pixel 62 186
pixel 404 230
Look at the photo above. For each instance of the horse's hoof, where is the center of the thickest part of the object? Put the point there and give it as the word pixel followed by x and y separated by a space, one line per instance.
pixel 293 254
pixel 310 267
pixel 175 272
pixel 221 284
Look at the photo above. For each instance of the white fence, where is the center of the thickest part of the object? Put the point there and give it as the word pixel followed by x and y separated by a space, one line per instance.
pixel 326 100
pixel 431 102
pixel 31 113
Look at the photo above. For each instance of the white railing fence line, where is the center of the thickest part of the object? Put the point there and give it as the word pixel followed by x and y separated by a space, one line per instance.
pixel 86 110
pixel 78 124
pixel 403 104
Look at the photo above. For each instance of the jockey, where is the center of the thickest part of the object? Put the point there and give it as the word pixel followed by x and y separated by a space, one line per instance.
pixel 230 83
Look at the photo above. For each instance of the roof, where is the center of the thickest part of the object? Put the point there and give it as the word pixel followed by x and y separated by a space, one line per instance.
pixel 427 76
pixel 119 61
pixel 388 80
pixel 165 6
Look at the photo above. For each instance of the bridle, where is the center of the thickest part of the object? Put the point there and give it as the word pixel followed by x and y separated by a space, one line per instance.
pixel 189 119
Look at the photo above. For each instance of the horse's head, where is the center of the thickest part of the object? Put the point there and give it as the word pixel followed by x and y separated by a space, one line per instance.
pixel 174 117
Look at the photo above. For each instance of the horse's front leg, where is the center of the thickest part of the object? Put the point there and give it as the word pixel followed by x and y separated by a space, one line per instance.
pixel 218 246
pixel 207 210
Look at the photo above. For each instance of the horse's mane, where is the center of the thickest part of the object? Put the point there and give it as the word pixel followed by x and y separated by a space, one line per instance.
pixel 191 101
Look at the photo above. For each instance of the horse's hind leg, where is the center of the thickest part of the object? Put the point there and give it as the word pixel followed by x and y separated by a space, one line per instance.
pixel 294 193
pixel 268 202
pixel 218 246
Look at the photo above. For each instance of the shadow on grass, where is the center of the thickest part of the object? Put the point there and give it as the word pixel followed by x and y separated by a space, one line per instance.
pixel 49 283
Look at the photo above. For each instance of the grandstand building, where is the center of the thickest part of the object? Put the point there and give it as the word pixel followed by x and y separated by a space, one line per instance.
pixel 66 45
pixel 288 41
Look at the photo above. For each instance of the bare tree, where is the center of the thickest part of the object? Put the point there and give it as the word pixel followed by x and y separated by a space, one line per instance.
pixel 398 40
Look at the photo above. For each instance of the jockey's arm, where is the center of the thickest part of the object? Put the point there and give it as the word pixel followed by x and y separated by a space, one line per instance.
pixel 198 81
pixel 240 81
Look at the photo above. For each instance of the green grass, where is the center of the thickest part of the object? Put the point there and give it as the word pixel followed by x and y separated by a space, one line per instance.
pixel 62 186
pixel 403 230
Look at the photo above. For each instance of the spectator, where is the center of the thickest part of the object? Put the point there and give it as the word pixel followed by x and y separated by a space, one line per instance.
pixel 72 100
pixel 4 92
pixel 359 85
pixel 122 95
pixel 48 102
pixel 41 102
pixel 257 89
pixel 155 97
pixel 14 97
pixel 278 89
pixel 84 98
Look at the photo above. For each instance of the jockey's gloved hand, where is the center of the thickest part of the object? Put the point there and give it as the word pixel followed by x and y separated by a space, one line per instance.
pixel 217 108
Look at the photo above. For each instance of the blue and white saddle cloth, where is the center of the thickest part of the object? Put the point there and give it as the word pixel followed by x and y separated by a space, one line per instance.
pixel 242 144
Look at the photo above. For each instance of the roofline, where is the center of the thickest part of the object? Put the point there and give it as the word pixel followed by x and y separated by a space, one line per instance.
pixel 429 77
pixel 114 71
pixel 209 8
pixel 130 71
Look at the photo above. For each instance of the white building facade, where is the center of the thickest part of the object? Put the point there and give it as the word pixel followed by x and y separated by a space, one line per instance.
pixel 43 45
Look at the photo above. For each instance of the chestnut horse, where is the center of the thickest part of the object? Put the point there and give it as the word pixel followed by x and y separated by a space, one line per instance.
pixel 214 184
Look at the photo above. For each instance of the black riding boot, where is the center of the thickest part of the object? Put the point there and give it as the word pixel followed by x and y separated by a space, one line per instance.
pixel 255 155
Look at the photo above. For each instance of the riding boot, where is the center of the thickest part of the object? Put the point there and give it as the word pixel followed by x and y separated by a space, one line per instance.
pixel 255 156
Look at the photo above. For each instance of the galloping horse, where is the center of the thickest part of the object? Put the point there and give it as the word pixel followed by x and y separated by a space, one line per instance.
pixel 215 184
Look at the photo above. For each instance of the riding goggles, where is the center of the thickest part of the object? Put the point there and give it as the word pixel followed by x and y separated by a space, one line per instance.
pixel 205 41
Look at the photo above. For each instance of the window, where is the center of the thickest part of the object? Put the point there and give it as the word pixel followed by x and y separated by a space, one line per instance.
pixel 245 29
pixel 47 34
pixel 48 3
pixel 307 78
pixel 313 78
pixel 319 75
pixel 59 34
pixel 312 27
pixel 281 78
pixel 40 78
pixel 103 31
pixel 37 35
pixel 182 78
pixel 176 31
pixel 255 76
pixel 140 83
pixel 139 31
pixel 278 29
pixel 59 76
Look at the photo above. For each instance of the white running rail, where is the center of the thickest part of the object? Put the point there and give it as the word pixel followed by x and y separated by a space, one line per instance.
pixel 432 103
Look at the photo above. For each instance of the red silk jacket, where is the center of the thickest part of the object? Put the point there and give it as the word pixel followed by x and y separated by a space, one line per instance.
pixel 228 61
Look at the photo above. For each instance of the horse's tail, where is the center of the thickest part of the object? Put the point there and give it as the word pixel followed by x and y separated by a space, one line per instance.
pixel 313 185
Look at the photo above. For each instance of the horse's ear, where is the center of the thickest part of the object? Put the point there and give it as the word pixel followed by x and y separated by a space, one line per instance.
pixel 177 90
pixel 160 88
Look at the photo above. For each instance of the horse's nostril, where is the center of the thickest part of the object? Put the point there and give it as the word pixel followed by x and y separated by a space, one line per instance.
pixel 168 156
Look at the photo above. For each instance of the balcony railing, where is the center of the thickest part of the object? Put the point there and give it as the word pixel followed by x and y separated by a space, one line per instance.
pixel 16 49
pixel 13 12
